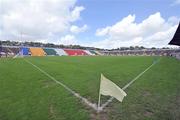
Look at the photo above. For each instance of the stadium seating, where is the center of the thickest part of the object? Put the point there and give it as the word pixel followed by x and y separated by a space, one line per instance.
pixel 60 52
pixel 88 52
pixel 9 51
pixel 4 50
pixel 24 51
pixel 37 52
pixel 0 50
pixel 14 50
pixel 98 53
pixel 93 52
pixel 72 52
pixel 50 51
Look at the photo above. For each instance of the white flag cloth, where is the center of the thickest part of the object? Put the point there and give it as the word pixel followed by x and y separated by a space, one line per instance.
pixel 109 88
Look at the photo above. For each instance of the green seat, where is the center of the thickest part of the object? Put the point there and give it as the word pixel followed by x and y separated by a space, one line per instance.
pixel 50 51
pixel 93 52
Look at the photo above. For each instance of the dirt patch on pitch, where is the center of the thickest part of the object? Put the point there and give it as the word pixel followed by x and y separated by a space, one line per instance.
pixel 48 83
pixel 52 113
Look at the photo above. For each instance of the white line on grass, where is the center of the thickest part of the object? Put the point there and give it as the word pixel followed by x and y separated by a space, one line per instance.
pixel 127 85
pixel 92 105
pixel 88 103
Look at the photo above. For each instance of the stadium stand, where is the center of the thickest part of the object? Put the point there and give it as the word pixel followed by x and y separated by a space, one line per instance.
pixel 24 51
pixel 0 48
pixel 60 52
pixel 37 52
pixel 50 51
pixel 88 52
pixel 9 51
pixel 4 51
pixel 157 52
pixel 93 52
pixel 98 53
pixel 73 52
pixel 14 50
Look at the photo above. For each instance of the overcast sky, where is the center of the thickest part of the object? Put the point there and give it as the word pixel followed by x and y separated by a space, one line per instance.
pixel 98 23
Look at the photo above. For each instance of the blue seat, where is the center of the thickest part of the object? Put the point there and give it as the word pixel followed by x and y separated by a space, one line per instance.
pixel 25 51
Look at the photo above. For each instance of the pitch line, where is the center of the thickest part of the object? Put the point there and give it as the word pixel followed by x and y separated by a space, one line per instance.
pixel 92 105
pixel 88 103
pixel 127 85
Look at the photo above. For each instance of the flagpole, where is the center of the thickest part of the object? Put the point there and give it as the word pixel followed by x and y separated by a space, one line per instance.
pixel 99 100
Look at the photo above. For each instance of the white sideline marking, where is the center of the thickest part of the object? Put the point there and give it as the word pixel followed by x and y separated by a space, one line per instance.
pixel 88 103
pixel 92 105
pixel 127 85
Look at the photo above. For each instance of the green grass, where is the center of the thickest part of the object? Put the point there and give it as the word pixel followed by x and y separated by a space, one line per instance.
pixel 27 94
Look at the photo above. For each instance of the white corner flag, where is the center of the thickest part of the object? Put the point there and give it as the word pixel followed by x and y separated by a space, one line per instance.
pixel 107 87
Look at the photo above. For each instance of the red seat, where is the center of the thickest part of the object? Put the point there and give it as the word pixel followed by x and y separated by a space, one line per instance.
pixel 72 52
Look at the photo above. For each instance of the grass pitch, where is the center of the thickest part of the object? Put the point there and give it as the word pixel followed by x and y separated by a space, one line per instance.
pixel 27 94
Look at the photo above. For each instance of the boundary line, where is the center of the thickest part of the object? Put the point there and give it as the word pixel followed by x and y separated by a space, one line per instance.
pixel 84 100
pixel 127 85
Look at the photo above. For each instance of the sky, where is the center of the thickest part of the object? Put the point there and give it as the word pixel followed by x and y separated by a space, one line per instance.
pixel 94 23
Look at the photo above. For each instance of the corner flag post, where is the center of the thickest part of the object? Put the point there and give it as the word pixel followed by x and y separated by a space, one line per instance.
pixel 108 88
pixel 99 100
